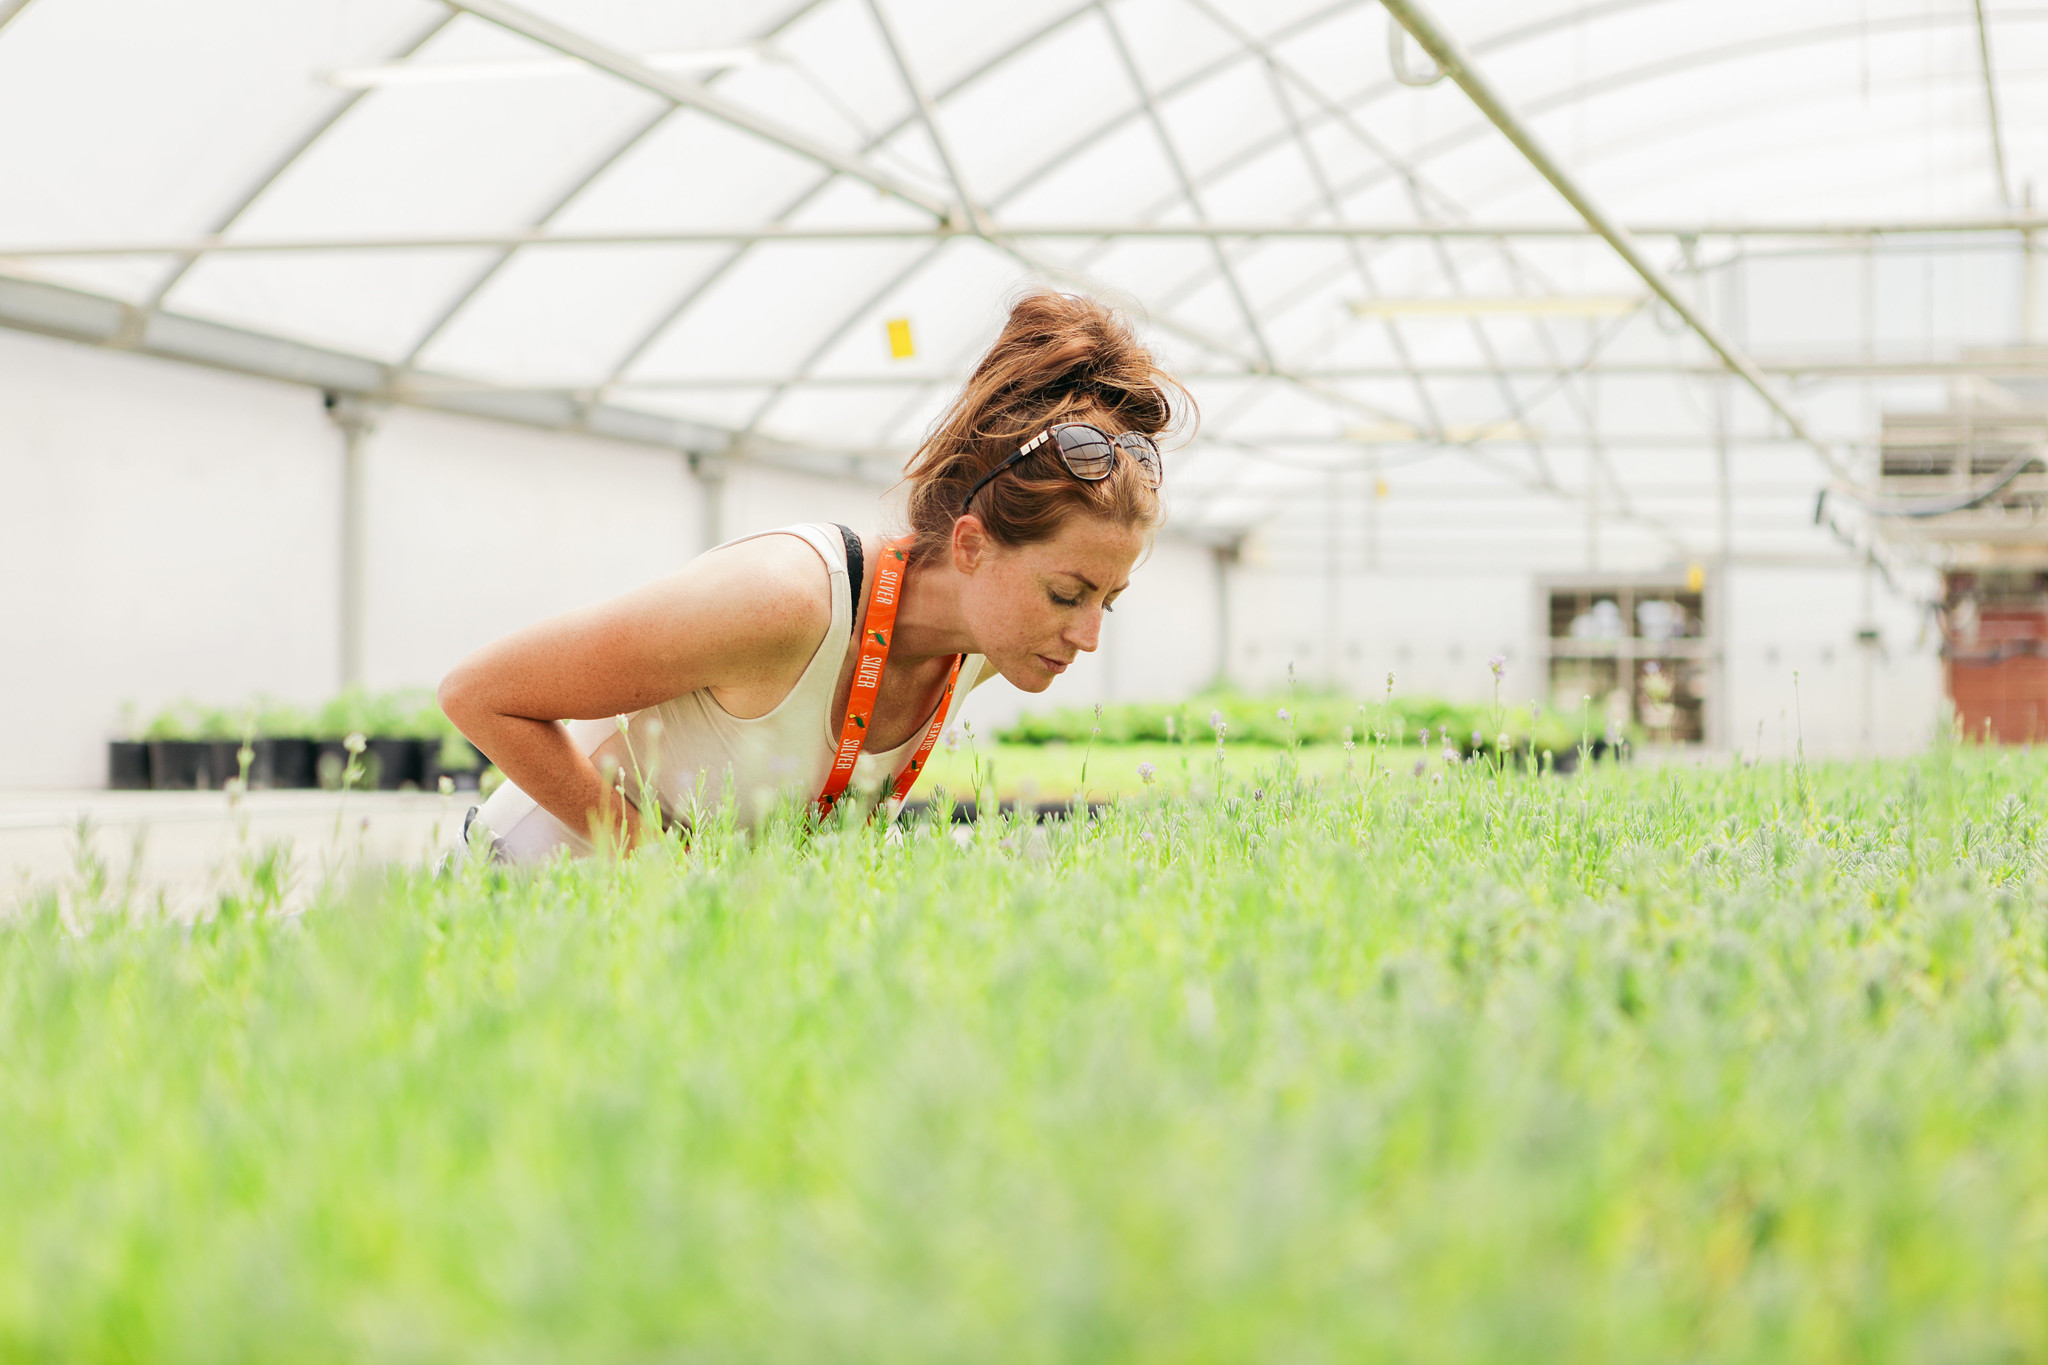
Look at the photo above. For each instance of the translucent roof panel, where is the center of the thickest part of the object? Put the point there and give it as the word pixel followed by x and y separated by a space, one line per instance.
pixel 714 212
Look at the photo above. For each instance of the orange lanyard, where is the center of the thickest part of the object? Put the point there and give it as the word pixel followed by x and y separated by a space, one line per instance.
pixel 876 629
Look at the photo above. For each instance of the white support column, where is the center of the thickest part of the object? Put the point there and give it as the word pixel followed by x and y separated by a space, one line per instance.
pixel 1333 580
pixel 1720 729
pixel 355 419
pixel 710 471
pixel 1222 557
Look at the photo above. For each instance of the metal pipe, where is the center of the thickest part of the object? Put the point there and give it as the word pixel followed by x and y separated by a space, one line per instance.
pixel 275 171
pixel 2020 224
pixel 1851 370
pixel 11 8
pixel 1991 106
pixel 1253 327
pixel 1424 399
pixel 928 112
pixel 695 95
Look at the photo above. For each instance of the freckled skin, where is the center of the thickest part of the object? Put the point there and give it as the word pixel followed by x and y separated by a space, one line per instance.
pixel 1033 609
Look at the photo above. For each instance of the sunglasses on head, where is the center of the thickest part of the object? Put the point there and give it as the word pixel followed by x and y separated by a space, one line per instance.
pixel 1088 452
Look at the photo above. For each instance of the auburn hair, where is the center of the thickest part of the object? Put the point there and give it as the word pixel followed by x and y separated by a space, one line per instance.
pixel 1059 358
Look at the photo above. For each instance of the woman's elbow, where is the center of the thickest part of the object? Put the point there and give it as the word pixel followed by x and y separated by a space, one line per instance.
pixel 457 696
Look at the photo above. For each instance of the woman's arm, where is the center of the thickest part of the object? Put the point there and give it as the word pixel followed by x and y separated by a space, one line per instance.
pixel 744 621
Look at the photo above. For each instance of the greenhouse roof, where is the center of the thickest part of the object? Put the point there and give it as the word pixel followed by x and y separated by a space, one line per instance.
pixel 693 223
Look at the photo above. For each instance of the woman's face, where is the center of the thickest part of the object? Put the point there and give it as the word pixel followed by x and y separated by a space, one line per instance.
pixel 1032 609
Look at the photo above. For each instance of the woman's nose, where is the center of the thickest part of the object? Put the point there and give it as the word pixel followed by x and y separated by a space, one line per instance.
pixel 1086 631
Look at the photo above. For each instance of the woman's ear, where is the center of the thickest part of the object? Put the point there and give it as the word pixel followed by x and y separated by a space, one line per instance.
pixel 970 543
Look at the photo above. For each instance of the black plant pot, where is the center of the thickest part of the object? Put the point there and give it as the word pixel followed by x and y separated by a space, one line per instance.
pixel 281 764
pixel 183 765
pixel 127 765
pixel 465 775
pixel 389 765
pixel 274 764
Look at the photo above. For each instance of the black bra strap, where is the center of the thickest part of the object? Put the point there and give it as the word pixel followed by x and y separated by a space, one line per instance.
pixel 856 571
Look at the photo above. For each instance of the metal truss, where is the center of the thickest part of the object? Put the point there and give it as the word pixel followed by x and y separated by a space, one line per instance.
pixel 696 95
pixel 1435 40
pixel 956 213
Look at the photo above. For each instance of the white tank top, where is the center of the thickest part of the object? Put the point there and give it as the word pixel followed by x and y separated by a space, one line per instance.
pixel 693 751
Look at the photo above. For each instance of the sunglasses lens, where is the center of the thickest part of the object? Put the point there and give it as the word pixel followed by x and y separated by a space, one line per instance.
pixel 1140 448
pixel 1087 451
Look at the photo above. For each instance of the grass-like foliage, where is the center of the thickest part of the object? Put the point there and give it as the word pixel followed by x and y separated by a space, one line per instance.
pixel 1307 716
pixel 1739 1064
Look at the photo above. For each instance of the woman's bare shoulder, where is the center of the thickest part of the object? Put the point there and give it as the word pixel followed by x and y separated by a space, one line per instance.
pixel 766 588
pixel 747 615
pixel 773 569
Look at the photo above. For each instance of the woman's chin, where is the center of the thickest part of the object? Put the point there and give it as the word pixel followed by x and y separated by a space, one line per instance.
pixel 1031 676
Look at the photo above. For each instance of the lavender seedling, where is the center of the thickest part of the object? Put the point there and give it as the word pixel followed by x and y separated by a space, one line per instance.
pixel 1497 718
pixel 1093 734
pixel 351 773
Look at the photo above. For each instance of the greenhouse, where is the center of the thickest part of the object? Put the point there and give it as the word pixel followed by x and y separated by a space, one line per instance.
pixel 1545 856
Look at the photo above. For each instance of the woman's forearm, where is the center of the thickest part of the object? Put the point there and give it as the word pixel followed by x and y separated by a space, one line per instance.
pixel 548 766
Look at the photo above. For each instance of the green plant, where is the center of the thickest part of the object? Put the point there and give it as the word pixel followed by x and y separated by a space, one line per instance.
pixel 188 720
pixel 1313 718
pixel 280 720
pixel 1483 1065
pixel 358 710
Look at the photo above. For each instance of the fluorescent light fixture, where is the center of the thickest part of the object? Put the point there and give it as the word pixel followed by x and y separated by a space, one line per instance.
pixel 1375 433
pixel 538 68
pixel 1542 305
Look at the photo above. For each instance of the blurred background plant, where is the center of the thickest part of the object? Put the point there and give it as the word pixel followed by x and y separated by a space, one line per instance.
pixel 401 713
pixel 1317 718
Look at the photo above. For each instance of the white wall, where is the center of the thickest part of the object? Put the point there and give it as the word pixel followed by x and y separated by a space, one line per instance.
pixel 163 531
pixel 478 528
pixel 168 531
pixel 761 497
pixel 1850 698
pixel 1433 631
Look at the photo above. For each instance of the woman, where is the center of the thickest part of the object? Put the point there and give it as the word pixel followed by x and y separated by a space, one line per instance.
pixel 769 667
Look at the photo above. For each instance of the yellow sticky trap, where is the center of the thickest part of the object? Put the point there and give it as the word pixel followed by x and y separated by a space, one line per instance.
pixel 900 345
pixel 1379 488
pixel 1695 578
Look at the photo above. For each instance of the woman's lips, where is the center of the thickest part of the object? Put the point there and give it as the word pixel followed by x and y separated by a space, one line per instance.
pixel 1053 664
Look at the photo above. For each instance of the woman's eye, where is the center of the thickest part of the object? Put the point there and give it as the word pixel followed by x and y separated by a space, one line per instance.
pixel 1060 601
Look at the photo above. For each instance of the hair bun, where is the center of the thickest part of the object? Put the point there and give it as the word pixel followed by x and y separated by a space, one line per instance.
pixel 1058 357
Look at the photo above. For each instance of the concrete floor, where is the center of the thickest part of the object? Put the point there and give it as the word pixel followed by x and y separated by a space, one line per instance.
pixel 179 850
